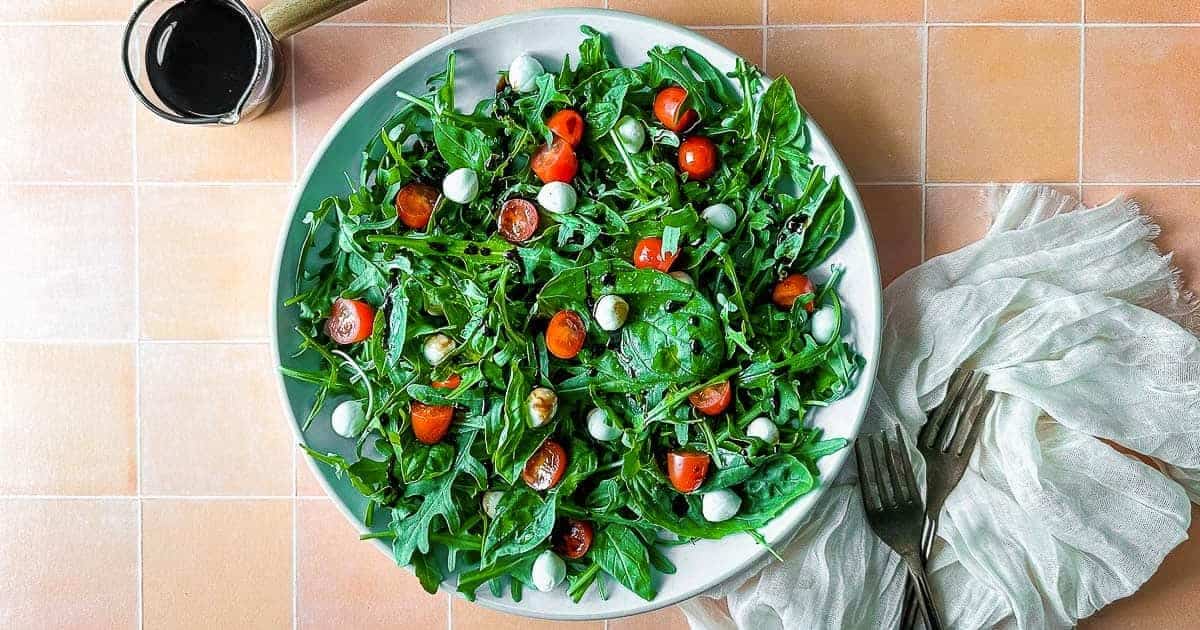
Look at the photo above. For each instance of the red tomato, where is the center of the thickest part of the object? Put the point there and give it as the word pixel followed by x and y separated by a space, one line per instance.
pixel 568 125
pixel 573 538
pixel 668 108
pixel 451 382
pixel 698 157
pixel 350 321
pixel 648 254
pixel 518 220
pixel 555 162
pixel 545 468
pixel 713 399
pixel 687 469
pixel 414 204
pixel 430 422
pixel 788 290
pixel 565 334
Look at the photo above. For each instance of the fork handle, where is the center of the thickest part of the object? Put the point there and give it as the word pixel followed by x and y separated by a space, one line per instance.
pixel 908 610
pixel 916 570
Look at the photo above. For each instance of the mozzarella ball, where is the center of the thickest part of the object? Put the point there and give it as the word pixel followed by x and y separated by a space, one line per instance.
pixel 348 419
pixel 720 505
pixel 437 348
pixel 557 197
pixel 824 324
pixel 632 134
pixel 543 404
pixel 600 428
pixel 491 502
pixel 610 312
pixel 523 73
pixel 461 185
pixel 720 216
pixel 763 429
pixel 548 571
pixel 683 277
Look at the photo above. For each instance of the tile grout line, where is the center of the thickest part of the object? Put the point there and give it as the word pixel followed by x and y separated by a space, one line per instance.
pixel 923 169
pixel 1082 75
pixel 137 359
pixel 763 33
pixel 295 520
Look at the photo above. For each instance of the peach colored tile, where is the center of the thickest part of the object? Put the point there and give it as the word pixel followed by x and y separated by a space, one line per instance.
pixel 67 114
pixel 404 11
pixel 1175 209
pixel 1141 104
pixel 694 12
pixel 306 480
pixel 895 215
pixel 666 619
pixel 746 42
pixel 470 11
pixel 954 216
pixel 1003 104
pixel 206 259
pixel 849 11
pixel 1004 10
pixel 66 10
pixel 68 564
pixel 334 64
pixel 67 260
pixel 67 423
pixel 863 87
pixel 217 564
pixel 469 616
pixel 211 421
pixel 344 582
pixel 1143 11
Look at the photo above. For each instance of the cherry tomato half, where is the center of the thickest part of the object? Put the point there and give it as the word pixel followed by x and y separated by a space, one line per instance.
pixel 430 422
pixel 451 382
pixel 669 109
pixel 687 469
pixel 713 399
pixel 788 290
pixel 698 157
pixel 350 321
pixel 568 125
pixel 572 538
pixel 518 220
pixel 414 204
pixel 545 468
pixel 565 334
pixel 648 254
pixel 555 162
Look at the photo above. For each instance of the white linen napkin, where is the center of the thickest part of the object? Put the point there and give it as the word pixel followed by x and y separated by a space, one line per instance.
pixel 1085 333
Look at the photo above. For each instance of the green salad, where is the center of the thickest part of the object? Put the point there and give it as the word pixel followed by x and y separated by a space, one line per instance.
pixel 572 326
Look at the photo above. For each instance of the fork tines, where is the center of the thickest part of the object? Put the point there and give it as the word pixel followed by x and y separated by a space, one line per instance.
pixel 956 423
pixel 887 477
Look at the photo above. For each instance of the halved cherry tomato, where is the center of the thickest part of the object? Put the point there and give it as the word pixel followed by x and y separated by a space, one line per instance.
pixel 568 125
pixel 788 290
pixel 545 468
pixel 555 162
pixel 573 538
pixel 451 382
pixel 668 108
pixel 518 220
pixel 350 321
pixel 430 422
pixel 648 254
pixel 698 157
pixel 687 469
pixel 565 334
pixel 713 399
pixel 414 204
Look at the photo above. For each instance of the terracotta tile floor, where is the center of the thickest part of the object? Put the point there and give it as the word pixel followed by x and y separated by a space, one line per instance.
pixel 927 99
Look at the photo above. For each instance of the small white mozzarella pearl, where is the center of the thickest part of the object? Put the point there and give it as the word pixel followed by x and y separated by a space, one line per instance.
pixel 548 571
pixel 491 502
pixel 600 428
pixel 763 429
pixel 523 73
pixel 557 197
pixel 720 505
pixel 348 419
pixel 611 312
pixel 682 276
pixel 543 404
pixel 461 185
pixel 824 323
pixel 632 134
pixel 437 348
pixel 720 216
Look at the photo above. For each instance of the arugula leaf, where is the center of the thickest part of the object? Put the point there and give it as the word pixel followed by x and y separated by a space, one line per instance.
pixel 623 556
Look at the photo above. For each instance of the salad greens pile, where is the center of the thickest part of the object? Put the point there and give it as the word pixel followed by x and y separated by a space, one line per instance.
pixel 493 297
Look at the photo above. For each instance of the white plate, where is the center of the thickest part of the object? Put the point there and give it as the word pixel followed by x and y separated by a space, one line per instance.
pixel 482 51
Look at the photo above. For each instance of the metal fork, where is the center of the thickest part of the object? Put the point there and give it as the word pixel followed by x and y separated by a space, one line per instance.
pixel 946 442
pixel 894 508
